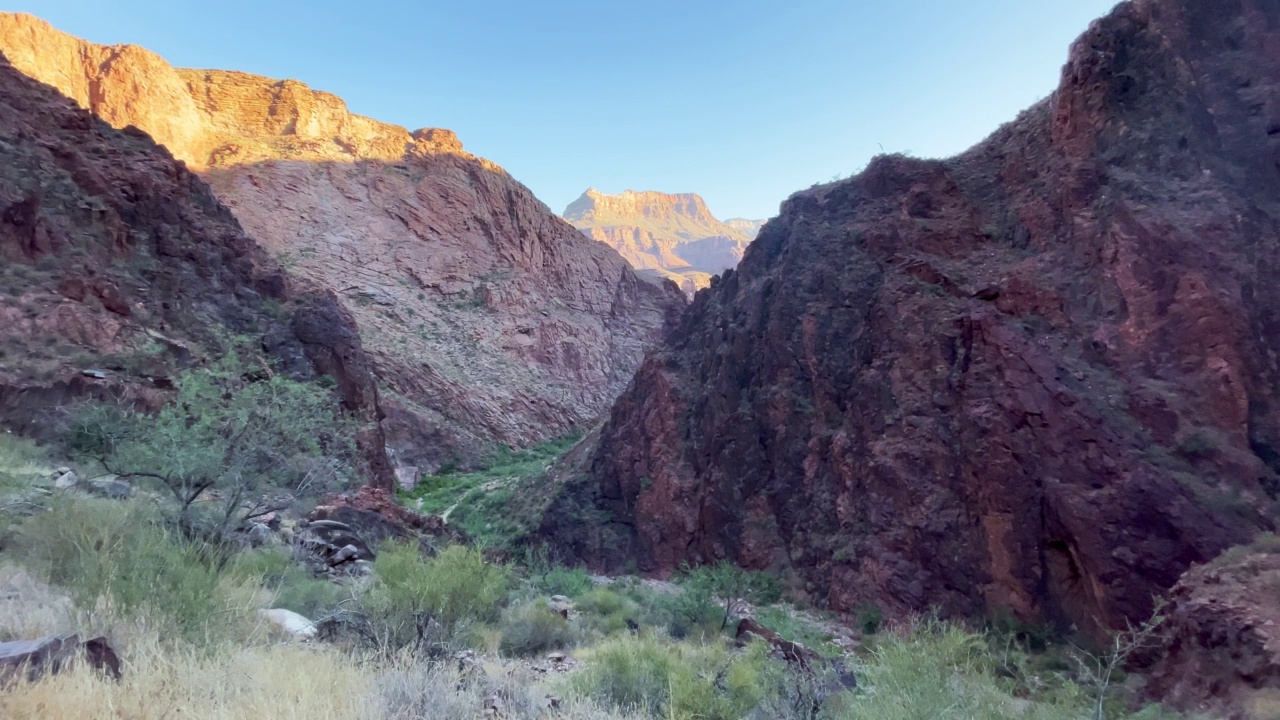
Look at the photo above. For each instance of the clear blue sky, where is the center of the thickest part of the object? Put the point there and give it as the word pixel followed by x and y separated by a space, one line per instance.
pixel 741 101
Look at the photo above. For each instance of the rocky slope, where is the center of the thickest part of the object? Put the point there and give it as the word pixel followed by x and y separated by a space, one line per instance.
pixel 1039 378
pixel 1219 652
pixel 671 236
pixel 119 267
pixel 487 318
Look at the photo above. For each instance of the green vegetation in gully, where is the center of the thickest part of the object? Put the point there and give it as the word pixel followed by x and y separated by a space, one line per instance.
pixel 477 501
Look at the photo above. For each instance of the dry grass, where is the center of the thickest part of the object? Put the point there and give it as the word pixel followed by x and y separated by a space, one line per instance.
pixel 29 608
pixel 171 679
pixel 163 681
pixel 253 673
pixel 286 682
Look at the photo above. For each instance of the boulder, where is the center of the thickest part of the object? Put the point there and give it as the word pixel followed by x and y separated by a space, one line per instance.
pixel 111 487
pixel 374 513
pixel 290 622
pixel 33 659
pixel 793 652
pixel 259 535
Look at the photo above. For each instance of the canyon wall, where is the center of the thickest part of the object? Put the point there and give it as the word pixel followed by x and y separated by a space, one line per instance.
pixel 486 318
pixel 1038 379
pixel 119 269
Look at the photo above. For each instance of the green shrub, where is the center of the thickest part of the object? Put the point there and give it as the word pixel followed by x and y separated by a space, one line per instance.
pixel 692 614
pixel 726 584
pixel 229 431
pixel 292 585
pixel 607 611
pixel 689 611
pixel 551 578
pixel 108 552
pixel 792 627
pixel 942 671
pixel 21 463
pixel 571 582
pixel 428 602
pixel 533 628
pixel 870 618
pixel 680 681
pixel 628 673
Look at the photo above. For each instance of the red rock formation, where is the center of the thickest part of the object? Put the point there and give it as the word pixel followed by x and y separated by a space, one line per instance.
pixel 671 236
pixel 1221 642
pixel 485 317
pixel 119 267
pixel 1039 377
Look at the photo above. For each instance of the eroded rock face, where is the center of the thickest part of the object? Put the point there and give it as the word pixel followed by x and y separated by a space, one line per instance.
pixel 485 317
pixel 671 236
pixel 119 268
pixel 1220 652
pixel 1040 377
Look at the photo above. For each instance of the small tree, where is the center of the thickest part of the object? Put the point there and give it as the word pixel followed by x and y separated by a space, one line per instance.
pixel 728 586
pixel 231 437
pixel 1099 668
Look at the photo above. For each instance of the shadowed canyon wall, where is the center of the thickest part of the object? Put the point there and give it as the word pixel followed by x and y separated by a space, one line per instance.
pixel 1038 378
pixel 119 268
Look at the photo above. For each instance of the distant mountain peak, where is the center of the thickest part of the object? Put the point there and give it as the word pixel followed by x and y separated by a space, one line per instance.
pixel 669 234
pixel 596 206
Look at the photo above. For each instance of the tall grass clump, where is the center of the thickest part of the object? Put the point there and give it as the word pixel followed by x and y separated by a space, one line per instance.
pixel 939 670
pixel 533 628
pixel 22 463
pixel 161 681
pixel 112 558
pixel 287 583
pixel 651 675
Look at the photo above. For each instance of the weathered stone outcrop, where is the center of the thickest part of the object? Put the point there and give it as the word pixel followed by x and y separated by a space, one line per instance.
pixel 1220 649
pixel 485 318
pixel 671 236
pixel 119 268
pixel 1040 377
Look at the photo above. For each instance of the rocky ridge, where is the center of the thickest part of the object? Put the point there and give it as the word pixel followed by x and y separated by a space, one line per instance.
pixel 485 318
pixel 1038 379
pixel 670 236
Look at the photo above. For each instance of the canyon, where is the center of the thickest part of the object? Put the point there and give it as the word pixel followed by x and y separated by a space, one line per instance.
pixel 487 320
pixel 668 236
pixel 1036 380
pixel 1037 383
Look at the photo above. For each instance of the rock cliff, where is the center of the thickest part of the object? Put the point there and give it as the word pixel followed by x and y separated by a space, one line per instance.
pixel 1039 378
pixel 119 267
pixel 671 236
pixel 486 318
